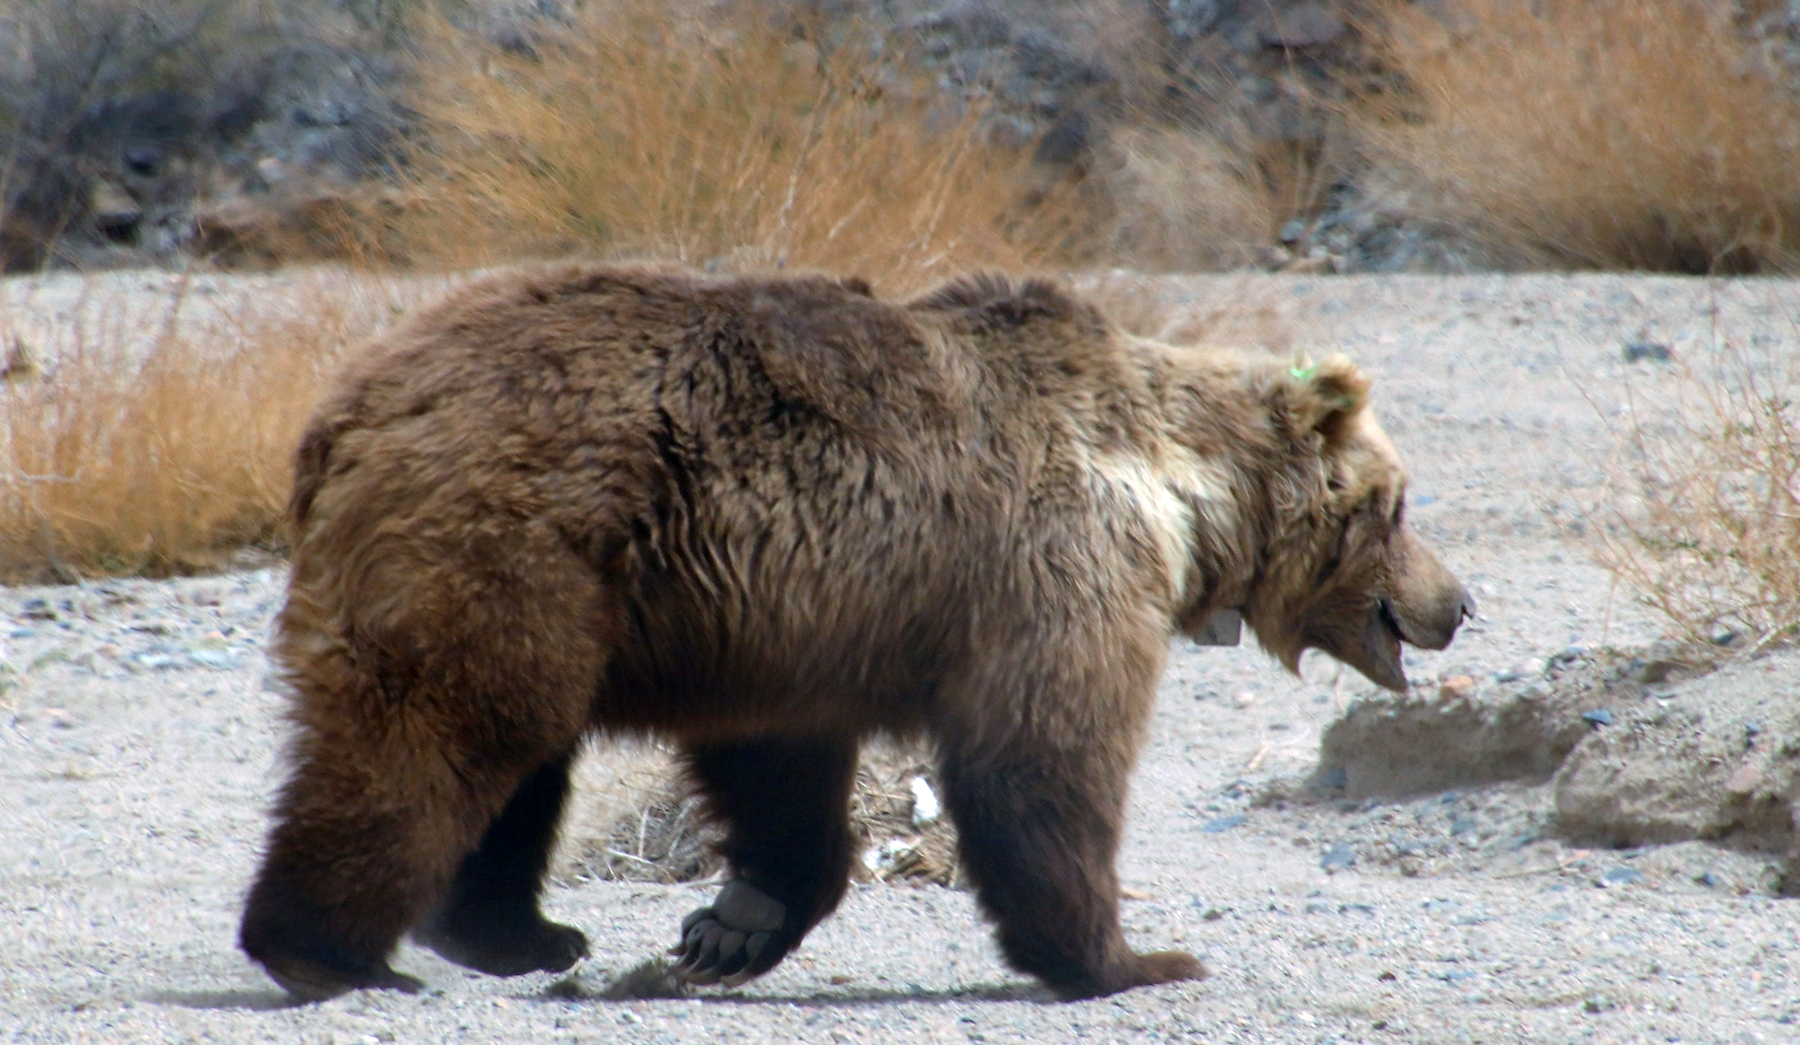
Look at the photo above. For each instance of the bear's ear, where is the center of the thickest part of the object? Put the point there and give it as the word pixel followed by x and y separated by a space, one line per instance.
pixel 1323 397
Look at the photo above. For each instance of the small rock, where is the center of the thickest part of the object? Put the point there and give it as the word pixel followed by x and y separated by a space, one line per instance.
pixel 1596 1004
pixel 926 808
pixel 1292 231
pixel 1337 858
pixel 1710 880
pixel 1744 778
pixel 1303 26
pixel 37 609
pixel 1725 637
pixel 1221 824
pixel 1564 657
pixel 1647 352
pixel 1244 698
pixel 1598 716
pixel 219 659
pixel 1620 876
pixel 1456 687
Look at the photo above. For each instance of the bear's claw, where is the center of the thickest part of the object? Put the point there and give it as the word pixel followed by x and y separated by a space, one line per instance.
pixel 733 941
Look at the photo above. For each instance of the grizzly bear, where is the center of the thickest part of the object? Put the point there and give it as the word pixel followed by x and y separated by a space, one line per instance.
pixel 765 518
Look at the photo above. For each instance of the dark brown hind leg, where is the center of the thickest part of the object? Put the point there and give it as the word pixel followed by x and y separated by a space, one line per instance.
pixel 785 807
pixel 366 838
pixel 1039 829
pixel 490 920
pixel 420 708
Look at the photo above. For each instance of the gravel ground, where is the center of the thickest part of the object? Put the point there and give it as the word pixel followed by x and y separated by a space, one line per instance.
pixel 139 746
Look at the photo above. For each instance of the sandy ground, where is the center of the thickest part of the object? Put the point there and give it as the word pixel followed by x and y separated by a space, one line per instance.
pixel 138 748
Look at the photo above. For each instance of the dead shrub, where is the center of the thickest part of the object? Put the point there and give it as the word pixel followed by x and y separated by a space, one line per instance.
pixel 1187 199
pixel 635 819
pixel 726 142
pixel 1611 134
pixel 1233 311
pixel 1702 518
pixel 153 432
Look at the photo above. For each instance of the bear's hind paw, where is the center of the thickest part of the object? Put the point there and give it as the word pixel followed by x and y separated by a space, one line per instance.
pixel 312 981
pixel 540 946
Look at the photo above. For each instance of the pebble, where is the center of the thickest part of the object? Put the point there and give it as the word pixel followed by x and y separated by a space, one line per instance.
pixel 1221 824
pixel 1647 352
pixel 1337 858
pixel 225 660
pixel 1598 716
pixel 1620 876
pixel 1456 687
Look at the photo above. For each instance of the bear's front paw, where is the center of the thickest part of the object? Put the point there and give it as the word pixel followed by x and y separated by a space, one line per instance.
pixel 737 939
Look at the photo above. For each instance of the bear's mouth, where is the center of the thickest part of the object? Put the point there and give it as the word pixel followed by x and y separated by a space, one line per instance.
pixel 1382 639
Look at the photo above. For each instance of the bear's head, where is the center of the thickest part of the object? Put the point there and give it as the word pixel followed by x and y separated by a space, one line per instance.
pixel 1340 570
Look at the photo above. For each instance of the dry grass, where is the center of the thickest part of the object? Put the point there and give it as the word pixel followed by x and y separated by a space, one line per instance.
pixel 1610 134
pixel 723 142
pixel 1189 200
pixel 1232 311
pixel 153 432
pixel 635 819
pixel 1703 519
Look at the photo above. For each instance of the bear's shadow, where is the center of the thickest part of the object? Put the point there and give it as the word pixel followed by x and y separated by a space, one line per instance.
pixel 649 982
pixel 246 1000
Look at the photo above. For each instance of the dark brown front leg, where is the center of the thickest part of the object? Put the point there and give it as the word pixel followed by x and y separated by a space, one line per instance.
pixel 785 807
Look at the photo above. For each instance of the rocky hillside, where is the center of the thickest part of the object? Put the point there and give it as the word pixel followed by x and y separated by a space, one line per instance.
pixel 232 133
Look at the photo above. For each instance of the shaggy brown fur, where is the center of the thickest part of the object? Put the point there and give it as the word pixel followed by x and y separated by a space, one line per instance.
pixel 766 518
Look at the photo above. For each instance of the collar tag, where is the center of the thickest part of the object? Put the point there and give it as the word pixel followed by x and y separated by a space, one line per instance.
pixel 1223 628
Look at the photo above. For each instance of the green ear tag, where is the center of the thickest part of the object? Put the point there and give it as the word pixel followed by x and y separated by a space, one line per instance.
pixel 1303 373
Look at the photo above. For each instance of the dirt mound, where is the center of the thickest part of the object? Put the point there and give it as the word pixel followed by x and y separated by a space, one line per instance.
pixel 1615 750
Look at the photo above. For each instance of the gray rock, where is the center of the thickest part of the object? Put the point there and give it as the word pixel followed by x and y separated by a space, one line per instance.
pixel 1400 744
pixel 1647 351
pixel 1306 25
pixel 1221 824
pixel 1686 772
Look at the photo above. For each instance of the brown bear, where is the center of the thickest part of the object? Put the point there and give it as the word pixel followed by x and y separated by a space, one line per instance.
pixel 765 518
